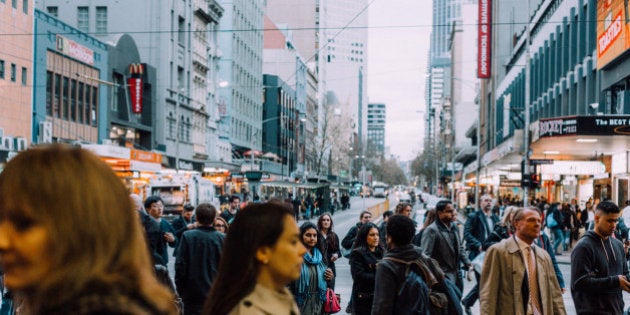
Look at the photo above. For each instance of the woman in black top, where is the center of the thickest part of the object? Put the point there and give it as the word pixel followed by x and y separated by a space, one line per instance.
pixel 367 252
pixel 330 244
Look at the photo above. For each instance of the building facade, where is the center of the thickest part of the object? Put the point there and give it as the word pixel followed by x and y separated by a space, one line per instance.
pixel 16 82
pixel 376 119
pixel 241 66
pixel 168 37
pixel 70 103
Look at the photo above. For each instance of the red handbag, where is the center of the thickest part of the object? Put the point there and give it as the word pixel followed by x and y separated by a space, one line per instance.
pixel 331 305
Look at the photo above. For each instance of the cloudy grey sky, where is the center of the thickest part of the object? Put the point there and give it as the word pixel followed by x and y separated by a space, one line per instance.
pixel 397 60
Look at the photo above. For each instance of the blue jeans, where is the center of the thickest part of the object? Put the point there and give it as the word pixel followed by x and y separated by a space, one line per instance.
pixel 558 238
pixel 567 239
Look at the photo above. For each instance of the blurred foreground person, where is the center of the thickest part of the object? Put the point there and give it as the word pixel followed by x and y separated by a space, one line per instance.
pixel 69 242
pixel 516 265
pixel 262 254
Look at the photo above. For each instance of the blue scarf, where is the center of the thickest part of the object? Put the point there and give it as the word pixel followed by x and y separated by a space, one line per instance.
pixel 303 284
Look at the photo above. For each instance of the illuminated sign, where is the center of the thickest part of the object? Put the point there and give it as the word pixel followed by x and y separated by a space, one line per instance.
pixel 612 30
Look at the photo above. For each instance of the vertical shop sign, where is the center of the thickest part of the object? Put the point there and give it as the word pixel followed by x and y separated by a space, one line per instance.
pixel 484 39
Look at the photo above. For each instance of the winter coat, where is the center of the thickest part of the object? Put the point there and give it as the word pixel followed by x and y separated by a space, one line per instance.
pixel 363 270
pixel 196 263
pixel 504 287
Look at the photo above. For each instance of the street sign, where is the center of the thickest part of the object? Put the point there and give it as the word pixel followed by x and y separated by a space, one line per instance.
pixel 540 162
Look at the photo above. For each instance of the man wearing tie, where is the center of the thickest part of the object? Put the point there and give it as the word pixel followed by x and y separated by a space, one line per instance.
pixel 478 226
pixel 518 276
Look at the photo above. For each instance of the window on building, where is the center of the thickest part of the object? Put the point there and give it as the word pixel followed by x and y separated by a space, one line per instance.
pixel 80 97
pixel 57 96
pixel 13 72
pixel 14 4
pixel 1 69
pixel 25 6
pixel 180 78
pixel 54 11
pixel 24 76
pixel 73 100
pixel 171 126
pixel 83 19
pixel 49 93
pixel 101 19
pixel 94 105
pixel 181 31
pixel 64 100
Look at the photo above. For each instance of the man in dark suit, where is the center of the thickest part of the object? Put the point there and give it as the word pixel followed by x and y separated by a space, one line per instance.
pixel 441 241
pixel 478 226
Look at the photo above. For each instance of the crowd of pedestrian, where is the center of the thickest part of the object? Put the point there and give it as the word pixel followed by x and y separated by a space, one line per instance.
pixel 98 250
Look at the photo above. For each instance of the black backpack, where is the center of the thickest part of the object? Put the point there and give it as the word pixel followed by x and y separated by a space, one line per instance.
pixel 425 290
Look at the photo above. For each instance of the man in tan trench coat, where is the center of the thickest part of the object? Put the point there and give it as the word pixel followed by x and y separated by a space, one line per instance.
pixel 506 286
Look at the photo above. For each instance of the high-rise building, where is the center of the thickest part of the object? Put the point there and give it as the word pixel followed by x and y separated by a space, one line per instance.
pixel 16 62
pixel 241 42
pixel 376 119
pixel 178 38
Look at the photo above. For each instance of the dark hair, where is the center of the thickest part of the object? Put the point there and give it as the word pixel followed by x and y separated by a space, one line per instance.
pixel 401 229
pixel 401 206
pixel 441 205
pixel 363 213
pixel 388 214
pixel 206 213
pixel 608 207
pixel 256 226
pixel 234 197
pixel 430 217
pixel 319 221
pixel 361 240
pixel 151 200
pixel 188 207
pixel 320 239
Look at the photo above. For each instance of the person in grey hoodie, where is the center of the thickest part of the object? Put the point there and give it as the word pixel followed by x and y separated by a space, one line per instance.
pixel 598 266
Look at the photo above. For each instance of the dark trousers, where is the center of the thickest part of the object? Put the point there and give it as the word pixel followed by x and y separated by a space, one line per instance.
pixel 192 308
pixel 473 295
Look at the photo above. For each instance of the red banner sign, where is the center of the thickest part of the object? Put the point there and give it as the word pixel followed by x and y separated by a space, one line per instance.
pixel 484 39
pixel 135 90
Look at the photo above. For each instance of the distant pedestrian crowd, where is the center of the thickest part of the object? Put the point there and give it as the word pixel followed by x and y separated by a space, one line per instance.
pixel 72 241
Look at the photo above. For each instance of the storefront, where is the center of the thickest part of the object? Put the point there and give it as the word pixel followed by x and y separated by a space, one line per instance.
pixel 134 167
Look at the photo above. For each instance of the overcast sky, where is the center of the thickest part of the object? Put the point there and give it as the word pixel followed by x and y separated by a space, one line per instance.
pixel 397 61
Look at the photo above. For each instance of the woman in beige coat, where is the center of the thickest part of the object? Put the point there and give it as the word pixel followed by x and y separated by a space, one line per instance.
pixel 262 254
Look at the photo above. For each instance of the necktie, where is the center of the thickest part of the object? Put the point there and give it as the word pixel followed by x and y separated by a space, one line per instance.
pixel 533 282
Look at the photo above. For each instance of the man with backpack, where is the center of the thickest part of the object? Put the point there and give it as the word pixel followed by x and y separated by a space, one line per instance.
pixel 407 281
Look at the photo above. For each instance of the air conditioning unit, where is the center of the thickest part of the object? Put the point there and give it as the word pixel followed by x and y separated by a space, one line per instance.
pixel 7 143
pixel 45 132
pixel 20 144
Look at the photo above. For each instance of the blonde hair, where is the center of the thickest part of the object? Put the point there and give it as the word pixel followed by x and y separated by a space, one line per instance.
pixel 96 237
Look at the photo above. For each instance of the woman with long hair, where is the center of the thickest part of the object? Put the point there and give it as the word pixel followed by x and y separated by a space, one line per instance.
pixel 221 225
pixel 502 229
pixel 261 255
pixel 363 259
pixel 70 240
pixel 310 289
pixel 331 243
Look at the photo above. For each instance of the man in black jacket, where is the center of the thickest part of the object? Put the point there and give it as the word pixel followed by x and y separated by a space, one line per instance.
pixel 198 260
pixel 389 274
pixel 598 266
pixel 478 227
pixel 185 221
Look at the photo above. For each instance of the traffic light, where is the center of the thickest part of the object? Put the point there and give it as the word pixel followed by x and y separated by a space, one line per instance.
pixel 534 181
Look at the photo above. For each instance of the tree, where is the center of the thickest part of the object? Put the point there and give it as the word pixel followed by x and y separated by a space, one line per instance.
pixel 388 171
pixel 423 166
pixel 334 131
